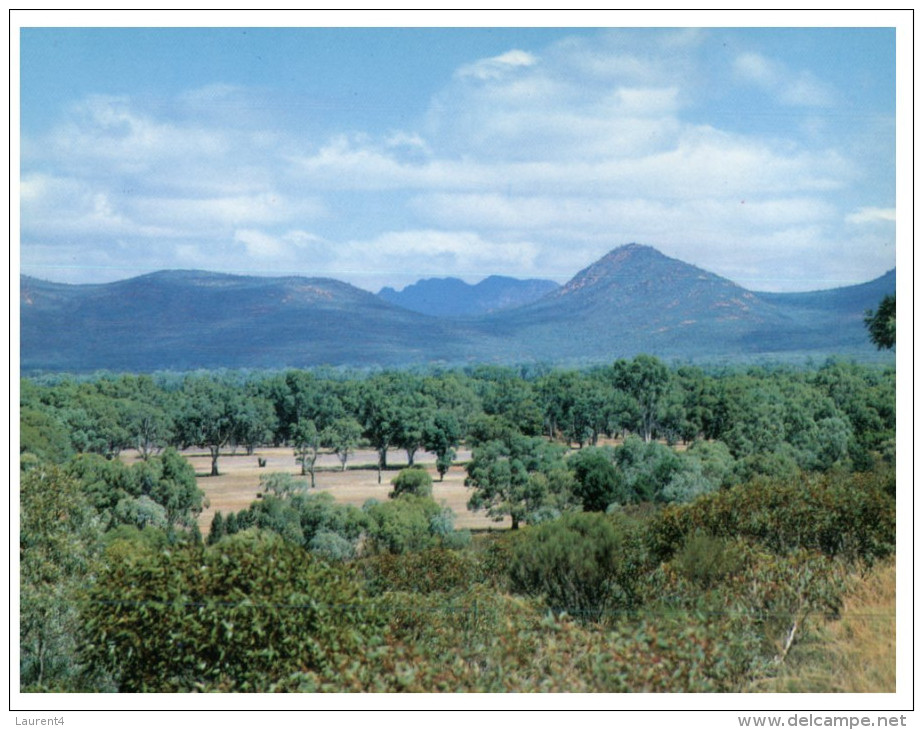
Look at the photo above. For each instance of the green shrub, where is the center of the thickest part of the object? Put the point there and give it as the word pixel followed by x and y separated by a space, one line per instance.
pixel 139 512
pixel 482 641
pixel 495 551
pixel 243 615
pixel 281 484
pixel 706 560
pixel 772 598
pixel 424 572
pixel 59 548
pixel 442 523
pixel 321 513
pixel 298 518
pixel 686 486
pixel 413 480
pixel 598 482
pixel 457 540
pixel 645 469
pixel 43 436
pixel 850 517
pixel 674 653
pixel 332 546
pixel 584 564
pixel 402 525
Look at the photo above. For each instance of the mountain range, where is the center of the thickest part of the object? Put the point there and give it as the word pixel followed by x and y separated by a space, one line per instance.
pixel 632 300
pixel 451 297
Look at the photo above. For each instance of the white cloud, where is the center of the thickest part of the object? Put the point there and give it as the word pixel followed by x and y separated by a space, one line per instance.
pixel 552 111
pixel 60 206
pixel 106 131
pixel 791 88
pixel 498 66
pixel 872 215
pixel 221 213
pixel 292 245
pixel 757 69
pixel 646 217
pixel 398 258
pixel 525 164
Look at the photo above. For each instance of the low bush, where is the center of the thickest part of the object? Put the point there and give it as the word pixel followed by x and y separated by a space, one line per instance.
pixel 243 615
pixel 332 546
pixel 584 564
pixel 401 525
pixel 424 572
pixel 845 516
pixel 413 480
pixel 705 560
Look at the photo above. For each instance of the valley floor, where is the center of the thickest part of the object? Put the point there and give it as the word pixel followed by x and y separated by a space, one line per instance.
pixel 239 481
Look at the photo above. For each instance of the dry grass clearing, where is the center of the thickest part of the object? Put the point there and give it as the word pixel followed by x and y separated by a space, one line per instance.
pixel 857 652
pixel 239 481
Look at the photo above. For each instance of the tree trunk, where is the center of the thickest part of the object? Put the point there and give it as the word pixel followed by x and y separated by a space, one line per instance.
pixel 515 522
pixel 214 450
pixel 41 660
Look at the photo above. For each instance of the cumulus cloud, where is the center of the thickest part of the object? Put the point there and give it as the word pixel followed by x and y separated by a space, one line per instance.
pixel 553 110
pixel 792 88
pixel 53 206
pixel 644 216
pixel 290 246
pixel 526 163
pixel 398 258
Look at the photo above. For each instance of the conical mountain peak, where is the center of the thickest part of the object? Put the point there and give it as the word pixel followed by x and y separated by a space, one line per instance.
pixel 629 265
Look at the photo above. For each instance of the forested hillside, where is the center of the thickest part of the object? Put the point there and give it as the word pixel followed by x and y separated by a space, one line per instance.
pixel 674 529
pixel 451 297
pixel 634 300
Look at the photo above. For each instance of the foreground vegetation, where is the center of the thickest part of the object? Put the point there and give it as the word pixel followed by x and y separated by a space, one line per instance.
pixel 722 566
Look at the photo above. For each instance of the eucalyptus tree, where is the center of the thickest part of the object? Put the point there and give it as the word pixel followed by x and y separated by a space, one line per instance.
pixel 441 435
pixel 390 410
pixel 597 482
pixel 514 478
pixel 255 422
pixel 882 323
pixel 307 442
pixel 208 413
pixel 380 415
pixel 646 380
pixel 342 437
pixel 60 543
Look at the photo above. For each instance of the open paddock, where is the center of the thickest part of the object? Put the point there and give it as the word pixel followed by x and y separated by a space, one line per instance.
pixel 239 481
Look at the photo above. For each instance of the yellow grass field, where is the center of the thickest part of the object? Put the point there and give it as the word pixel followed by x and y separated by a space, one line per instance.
pixel 853 654
pixel 239 481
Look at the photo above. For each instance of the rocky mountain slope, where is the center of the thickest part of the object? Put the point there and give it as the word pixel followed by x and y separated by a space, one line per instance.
pixel 632 300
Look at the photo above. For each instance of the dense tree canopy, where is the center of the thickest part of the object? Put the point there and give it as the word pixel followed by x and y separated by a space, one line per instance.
pixel 680 527
pixel 882 324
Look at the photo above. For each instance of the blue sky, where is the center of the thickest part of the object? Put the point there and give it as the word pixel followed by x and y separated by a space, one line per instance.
pixel 380 156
